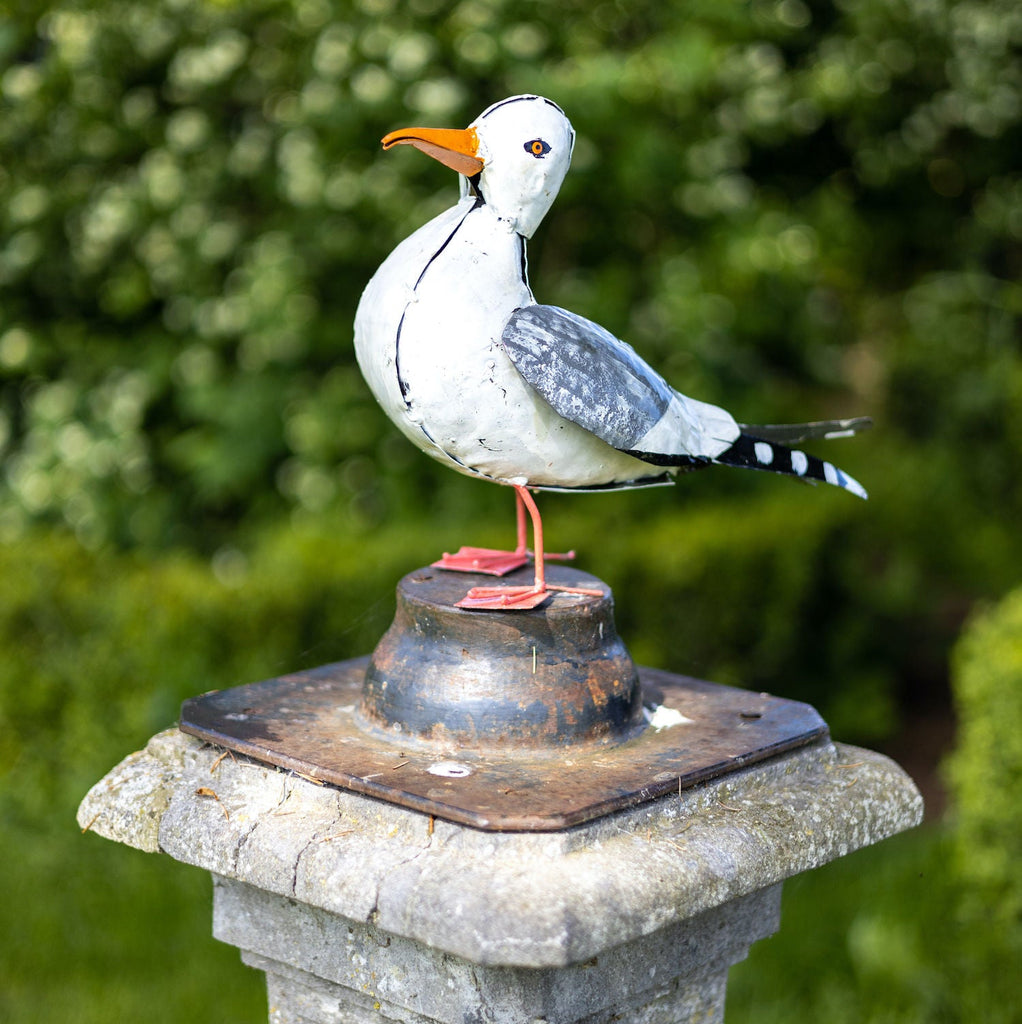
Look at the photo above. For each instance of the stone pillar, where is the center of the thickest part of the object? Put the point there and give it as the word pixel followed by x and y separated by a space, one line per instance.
pixel 361 910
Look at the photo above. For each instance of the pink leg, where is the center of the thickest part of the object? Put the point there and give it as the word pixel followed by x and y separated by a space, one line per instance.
pixel 523 496
pixel 497 598
pixel 493 561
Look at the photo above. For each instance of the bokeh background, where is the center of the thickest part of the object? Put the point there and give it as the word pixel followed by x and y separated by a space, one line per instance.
pixel 794 208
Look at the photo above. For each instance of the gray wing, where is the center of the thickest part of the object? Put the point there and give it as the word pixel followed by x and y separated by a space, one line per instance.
pixel 586 374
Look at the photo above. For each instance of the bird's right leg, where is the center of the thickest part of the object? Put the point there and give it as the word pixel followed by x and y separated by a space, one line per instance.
pixel 505 598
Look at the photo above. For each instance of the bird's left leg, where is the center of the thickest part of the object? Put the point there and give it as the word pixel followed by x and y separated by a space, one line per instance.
pixel 494 562
pixel 491 561
pixel 508 598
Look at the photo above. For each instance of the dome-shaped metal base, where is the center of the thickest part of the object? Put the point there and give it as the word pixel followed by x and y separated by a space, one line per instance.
pixel 484 680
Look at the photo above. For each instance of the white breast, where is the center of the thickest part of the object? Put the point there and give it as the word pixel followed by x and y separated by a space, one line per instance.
pixel 427 338
pixel 382 308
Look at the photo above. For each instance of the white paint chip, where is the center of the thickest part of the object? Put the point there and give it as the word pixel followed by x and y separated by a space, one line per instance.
pixel 663 717
pixel 450 770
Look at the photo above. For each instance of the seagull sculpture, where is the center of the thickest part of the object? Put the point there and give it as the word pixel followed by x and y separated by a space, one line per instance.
pixel 493 384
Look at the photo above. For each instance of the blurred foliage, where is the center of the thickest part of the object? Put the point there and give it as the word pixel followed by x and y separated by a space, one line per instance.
pixel 795 208
pixel 96 654
pixel 986 769
pixel 98 651
pixel 791 208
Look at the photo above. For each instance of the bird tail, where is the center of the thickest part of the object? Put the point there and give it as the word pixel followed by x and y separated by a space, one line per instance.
pixel 757 452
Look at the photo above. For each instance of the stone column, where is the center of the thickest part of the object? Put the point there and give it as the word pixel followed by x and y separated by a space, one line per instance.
pixel 361 910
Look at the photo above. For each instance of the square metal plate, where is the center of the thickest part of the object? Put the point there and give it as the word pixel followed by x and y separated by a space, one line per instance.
pixel 307 722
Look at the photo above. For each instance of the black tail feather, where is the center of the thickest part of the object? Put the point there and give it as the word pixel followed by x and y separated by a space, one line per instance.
pixel 750 452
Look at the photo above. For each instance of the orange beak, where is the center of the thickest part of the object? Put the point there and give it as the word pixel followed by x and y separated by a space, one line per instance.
pixel 454 147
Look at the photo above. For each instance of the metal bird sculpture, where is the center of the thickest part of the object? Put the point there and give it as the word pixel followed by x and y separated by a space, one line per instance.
pixel 495 385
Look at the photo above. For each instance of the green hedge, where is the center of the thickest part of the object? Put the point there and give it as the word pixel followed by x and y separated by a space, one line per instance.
pixel 96 653
pixel 986 769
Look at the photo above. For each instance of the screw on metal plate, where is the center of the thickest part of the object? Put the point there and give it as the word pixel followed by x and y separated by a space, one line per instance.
pixel 529 720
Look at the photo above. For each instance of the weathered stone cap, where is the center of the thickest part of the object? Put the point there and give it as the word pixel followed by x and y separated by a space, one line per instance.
pixel 511 899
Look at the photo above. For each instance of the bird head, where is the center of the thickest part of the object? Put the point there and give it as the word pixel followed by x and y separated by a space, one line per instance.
pixel 515 154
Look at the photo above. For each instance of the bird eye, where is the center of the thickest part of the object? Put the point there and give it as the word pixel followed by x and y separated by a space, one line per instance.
pixel 538 148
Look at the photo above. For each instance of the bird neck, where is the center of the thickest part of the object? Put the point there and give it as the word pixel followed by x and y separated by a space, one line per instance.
pixel 520 217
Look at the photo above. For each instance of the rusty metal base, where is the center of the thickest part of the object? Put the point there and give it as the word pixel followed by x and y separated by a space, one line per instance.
pixel 307 722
